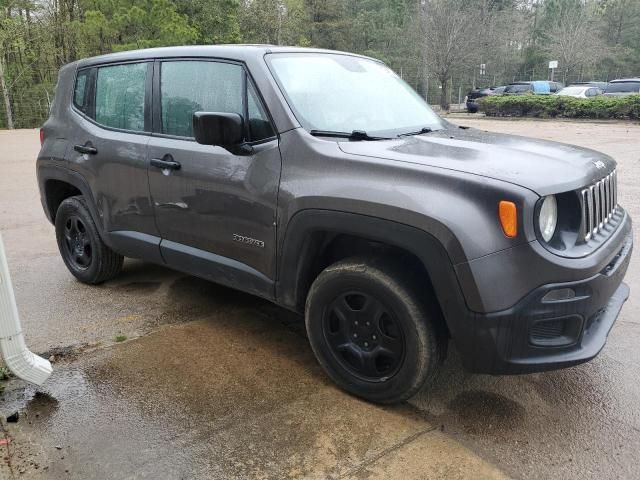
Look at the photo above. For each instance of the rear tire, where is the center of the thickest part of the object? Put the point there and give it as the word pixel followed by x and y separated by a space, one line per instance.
pixel 82 250
pixel 371 331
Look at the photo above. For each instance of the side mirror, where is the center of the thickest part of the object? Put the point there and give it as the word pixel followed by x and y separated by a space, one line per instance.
pixel 221 129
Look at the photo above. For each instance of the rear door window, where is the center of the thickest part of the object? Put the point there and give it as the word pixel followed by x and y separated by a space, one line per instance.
pixel 198 86
pixel 120 96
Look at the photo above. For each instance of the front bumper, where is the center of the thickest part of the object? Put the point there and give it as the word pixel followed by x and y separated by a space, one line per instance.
pixel 547 331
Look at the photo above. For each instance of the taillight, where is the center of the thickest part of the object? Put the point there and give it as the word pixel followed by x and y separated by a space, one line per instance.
pixel 41 136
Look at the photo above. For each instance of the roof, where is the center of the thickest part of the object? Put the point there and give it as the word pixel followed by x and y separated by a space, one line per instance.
pixel 241 52
pixel 622 80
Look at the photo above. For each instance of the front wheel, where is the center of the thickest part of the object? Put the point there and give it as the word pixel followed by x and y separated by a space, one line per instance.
pixel 82 250
pixel 371 332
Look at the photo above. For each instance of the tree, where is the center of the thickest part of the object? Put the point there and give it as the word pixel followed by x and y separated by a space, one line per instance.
pixel 449 29
pixel 329 24
pixel 445 40
pixel 5 96
pixel 215 20
pixel 570 36
pixel 277 22
pixel 621 30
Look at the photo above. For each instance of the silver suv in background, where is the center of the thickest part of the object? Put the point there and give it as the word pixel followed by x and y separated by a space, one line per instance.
pixel 622 87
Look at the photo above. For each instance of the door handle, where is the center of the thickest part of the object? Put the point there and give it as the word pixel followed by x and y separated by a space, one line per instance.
pixel 85 149
pixel 165 164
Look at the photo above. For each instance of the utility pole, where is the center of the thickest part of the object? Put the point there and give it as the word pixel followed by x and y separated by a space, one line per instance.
pixel 5 95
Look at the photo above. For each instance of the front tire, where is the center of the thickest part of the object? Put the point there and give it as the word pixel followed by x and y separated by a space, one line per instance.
pixel 82 250
pixel 371 332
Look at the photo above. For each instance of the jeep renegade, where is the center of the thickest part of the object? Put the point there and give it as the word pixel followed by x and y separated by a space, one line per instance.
pixel 322 182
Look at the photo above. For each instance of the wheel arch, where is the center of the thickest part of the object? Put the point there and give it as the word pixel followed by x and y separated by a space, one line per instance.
pixel 316 238
pixel 58 184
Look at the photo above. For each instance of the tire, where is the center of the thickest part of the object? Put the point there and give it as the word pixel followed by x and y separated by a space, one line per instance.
pixel 357 313
pixel 82 250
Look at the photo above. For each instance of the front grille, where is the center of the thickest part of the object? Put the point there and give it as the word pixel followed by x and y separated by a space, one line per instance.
pixel 599 203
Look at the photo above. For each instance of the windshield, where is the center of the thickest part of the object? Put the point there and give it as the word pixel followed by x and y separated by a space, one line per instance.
pixel 572 91
pixel 342 93
pixel 623 87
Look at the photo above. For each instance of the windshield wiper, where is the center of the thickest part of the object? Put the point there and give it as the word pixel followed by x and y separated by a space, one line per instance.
pixel 354 135
pixel 419 132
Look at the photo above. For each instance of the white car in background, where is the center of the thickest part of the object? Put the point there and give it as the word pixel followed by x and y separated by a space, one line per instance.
pixel 580 91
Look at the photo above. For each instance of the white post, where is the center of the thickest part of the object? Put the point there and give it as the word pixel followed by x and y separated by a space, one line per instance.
pixel 17 356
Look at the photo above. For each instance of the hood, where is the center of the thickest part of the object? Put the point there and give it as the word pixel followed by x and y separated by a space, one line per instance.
pixel 542 166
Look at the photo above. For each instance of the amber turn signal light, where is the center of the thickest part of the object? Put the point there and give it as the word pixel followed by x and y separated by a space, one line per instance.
pixel 508 213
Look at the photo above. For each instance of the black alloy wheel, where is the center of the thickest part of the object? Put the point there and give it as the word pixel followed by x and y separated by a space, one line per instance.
pixel 375 328
pixel 82 249
pixel 364 336
pixel 77 242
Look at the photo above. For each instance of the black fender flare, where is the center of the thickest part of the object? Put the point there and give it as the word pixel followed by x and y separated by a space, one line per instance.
pixel 60 173
pixel 297 251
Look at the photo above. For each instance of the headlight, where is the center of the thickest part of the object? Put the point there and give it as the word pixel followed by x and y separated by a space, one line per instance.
pixel 548 217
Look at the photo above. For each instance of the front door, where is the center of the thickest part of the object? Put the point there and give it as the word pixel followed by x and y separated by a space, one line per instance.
pixel 215 210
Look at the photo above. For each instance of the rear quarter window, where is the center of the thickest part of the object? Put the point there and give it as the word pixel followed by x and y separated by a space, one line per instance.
pixel 81 91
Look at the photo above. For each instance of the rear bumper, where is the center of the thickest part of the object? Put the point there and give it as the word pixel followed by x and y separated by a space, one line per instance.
pixel 547 331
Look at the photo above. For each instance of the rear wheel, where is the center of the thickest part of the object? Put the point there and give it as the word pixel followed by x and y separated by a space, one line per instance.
pixel 82 250
pixel 370 330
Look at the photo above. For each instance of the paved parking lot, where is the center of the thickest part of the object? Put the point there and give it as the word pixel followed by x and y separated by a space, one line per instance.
pixel 212 383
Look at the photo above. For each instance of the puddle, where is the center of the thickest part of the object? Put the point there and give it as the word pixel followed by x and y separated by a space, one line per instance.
pixel 234 396
pixel 33 402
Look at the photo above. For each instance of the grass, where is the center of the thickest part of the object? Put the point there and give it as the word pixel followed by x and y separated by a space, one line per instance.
pixel 120 338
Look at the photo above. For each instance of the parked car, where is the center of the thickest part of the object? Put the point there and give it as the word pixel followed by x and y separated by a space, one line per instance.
pixel 622 87
pixel 472 97
pixel 538 87
pixel 322 182
pixel 600 85
pixel 579 91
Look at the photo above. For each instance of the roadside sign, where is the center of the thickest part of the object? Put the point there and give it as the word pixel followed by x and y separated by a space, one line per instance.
pixel 553 64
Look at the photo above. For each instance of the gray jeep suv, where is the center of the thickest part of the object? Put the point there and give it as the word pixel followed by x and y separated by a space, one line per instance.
pixel 322 182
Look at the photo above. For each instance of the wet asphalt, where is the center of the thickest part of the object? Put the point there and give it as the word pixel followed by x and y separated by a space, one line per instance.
pixel 213 383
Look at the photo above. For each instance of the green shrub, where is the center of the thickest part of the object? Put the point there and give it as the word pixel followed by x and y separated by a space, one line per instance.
pixel 550 106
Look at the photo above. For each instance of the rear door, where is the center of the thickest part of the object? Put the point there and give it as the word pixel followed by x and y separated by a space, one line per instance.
pixel 216 212
pixel 109 132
